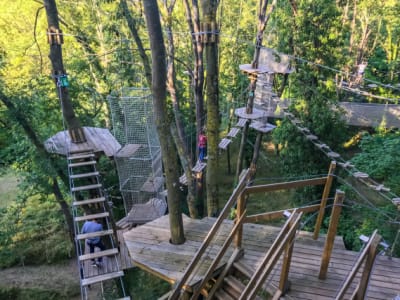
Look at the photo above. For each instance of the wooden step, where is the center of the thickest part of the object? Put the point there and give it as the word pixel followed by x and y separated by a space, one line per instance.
pixel 246 271
pixel 86 187
pixel 84 175
pixel 82 164
pixel 89 201
pixel 91 217
pixel 222 295
pixel 100 278
pixel 81 156
pixel 78 151
pixel 234 286
pixel 89 235
pixel 125 298
pixel 98 254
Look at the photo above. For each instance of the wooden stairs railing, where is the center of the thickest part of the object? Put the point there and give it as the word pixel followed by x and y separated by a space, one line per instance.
pixel 283 243
pixel 89 203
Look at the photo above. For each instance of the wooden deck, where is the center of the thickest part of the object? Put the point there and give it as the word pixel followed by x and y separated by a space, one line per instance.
pixel 150 249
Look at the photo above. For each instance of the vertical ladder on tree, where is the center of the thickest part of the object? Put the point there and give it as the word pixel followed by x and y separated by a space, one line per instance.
pixel 90 202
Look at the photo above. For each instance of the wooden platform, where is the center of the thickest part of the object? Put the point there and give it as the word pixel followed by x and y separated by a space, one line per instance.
pixel 150 249
pixel 97 140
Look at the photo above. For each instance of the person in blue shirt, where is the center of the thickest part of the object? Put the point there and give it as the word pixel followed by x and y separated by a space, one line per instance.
pixel 93 226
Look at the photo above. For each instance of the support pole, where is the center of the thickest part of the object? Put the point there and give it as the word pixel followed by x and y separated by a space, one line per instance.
pixel 330 237
pixel 241 206
pixel 324 199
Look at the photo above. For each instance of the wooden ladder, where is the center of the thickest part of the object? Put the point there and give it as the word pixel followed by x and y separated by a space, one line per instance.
pixel 89 202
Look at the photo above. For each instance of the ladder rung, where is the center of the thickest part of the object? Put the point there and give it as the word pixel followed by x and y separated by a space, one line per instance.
pixel 89 201
pixel 94 255
pixel 91 217
pixel 89 235
pixel 84 175
pixel 81 156
pixel 86 187
pixel 81 164
pixel 87 150
pixel 99 278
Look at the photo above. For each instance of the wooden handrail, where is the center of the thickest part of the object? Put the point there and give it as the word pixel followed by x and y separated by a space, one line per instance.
pixel 284 185
pixel 370 251
pixel 287 241
pixel 268 256
pixel 224 213
pixel 324 199
pixel 219 256
pixel 273 215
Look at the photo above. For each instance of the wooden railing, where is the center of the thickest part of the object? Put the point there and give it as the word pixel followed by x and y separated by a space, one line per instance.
pixel 240 196
pixel 368 255
pixel 284 241
pixel 211 234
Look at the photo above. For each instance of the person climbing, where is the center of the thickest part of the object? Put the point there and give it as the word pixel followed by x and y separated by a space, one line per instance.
pixel 94 226
pixel 202 146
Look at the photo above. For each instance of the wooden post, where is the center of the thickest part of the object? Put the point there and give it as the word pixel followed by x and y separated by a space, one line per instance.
pixel 241 205
pixel 330 237
pixel 287 258
pixel 372 252
pixel 324 199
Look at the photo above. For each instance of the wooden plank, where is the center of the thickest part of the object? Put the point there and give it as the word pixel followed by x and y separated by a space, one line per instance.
pixel 128 150
pixel 81 156
pixel 86 187
pixel 83 236
pixel 88 201
pixel 152 184
pixel 241 122
pixel 100 278
pixel 233 132
pixel 82 164
pixel 223 144
pixel 284 185
pixel 199 167
pixel 91 217
pixel 84 175
pixel 98 254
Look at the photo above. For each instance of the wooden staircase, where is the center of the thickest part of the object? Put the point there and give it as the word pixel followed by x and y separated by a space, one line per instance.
pixel 89 202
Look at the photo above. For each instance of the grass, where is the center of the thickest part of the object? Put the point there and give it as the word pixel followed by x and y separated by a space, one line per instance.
pixel 8 188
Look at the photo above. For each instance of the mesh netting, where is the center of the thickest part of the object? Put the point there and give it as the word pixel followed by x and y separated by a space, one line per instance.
pixel 139 160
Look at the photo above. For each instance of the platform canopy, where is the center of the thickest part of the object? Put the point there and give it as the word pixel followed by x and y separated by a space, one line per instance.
pixel 97 139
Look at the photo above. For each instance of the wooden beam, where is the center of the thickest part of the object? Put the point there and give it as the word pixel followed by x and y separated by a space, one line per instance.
pixel 372 252
pixel 324 199
pixel 270 216
pixel 330 237
pixel 239 212
pixel 373 242
pixel 287 259
pixel 284 185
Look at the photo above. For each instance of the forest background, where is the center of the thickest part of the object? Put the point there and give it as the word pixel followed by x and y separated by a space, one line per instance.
pixel 101 55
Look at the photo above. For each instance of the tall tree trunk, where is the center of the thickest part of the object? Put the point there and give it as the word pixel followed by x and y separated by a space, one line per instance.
pixel 210 39
pixel 178 130
pixel 197 79
pixel 168 149
pixel 55 39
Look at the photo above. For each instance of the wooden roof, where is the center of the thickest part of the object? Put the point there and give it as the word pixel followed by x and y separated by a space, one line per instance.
pixel 149 248
pixel 97 140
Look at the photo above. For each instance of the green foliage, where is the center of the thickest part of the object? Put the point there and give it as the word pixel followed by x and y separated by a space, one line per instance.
pixel 144 286
pixel 380 158
pixel 32 232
